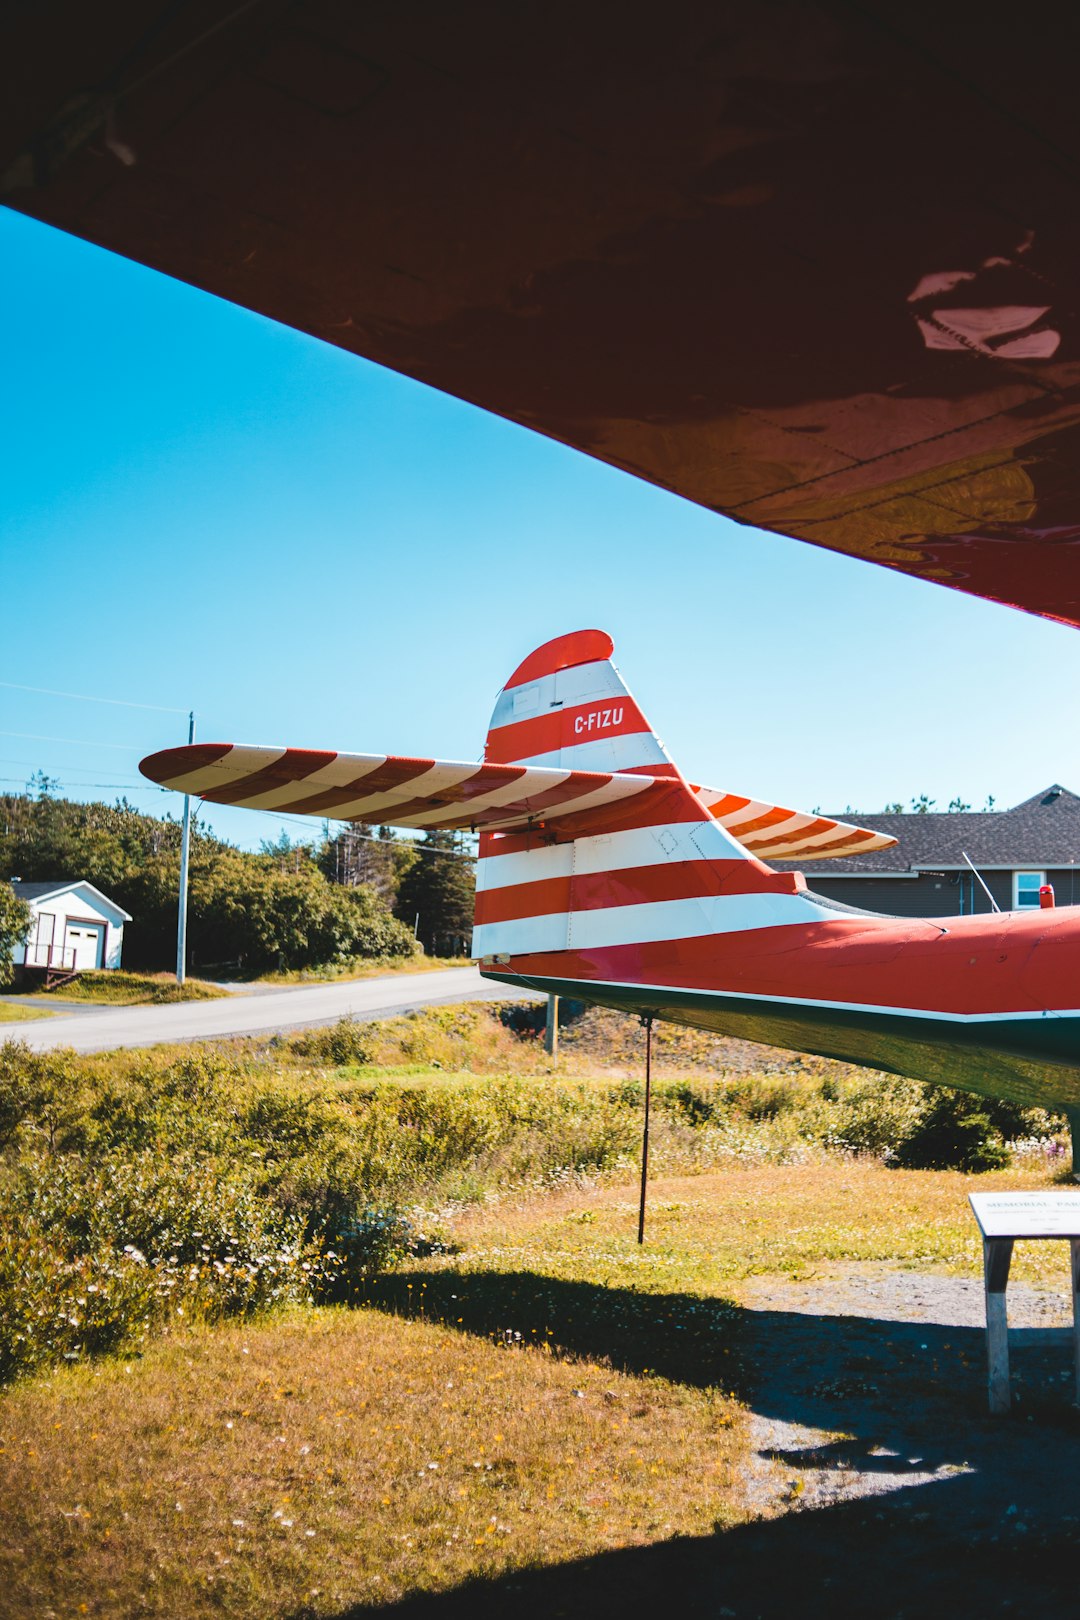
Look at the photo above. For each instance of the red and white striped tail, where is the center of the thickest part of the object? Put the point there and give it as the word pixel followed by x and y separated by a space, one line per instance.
pixel 589 835
pixel 655 868
pixel 568 707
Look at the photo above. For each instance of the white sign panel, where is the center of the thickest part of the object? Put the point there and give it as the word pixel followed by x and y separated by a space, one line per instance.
pixel 1027 1214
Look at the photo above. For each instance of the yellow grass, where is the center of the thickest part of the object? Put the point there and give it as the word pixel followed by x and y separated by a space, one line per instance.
pixel 708 1232
pixel 358 969
pixel 334 1459
pixel 12 1014
pixel 116 987
pixel 285 1466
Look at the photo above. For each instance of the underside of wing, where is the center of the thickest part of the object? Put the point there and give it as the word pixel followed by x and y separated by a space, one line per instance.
pixel 382 788
pixel 773 833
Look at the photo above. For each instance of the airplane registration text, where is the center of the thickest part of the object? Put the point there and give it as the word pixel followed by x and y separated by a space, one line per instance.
pixel 597 720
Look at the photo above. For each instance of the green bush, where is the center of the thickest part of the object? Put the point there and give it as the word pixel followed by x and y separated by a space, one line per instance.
pixel 875 1115
pixel 257 910
pixel 955 1132
pixel 14 927
pixel 340 1044
pixel 148 1190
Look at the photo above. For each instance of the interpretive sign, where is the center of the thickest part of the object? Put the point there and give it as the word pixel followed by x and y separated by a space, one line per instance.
pixel 1027 1215
pixel 1002 1218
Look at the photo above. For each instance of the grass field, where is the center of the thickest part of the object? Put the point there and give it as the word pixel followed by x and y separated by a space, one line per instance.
pixel 117 988
pixel 548 1393
pixel 519 1407
pixel 365 968
pixel 10 1013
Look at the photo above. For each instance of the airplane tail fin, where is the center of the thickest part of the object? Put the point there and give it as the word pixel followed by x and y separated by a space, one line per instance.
pixel 566 706
pixel 656 866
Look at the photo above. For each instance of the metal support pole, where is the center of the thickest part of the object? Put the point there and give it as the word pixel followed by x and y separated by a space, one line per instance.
pixel 185 850
pixel 997 1254
pixel 647 1021
pixel 551 1027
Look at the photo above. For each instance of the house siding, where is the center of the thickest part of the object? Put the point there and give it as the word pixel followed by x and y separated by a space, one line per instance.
pixel 936 895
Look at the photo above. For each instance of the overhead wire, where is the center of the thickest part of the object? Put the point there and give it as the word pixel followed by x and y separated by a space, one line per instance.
pixel 78 742
pixel 294 821
pixel 151 787
pixel 84 697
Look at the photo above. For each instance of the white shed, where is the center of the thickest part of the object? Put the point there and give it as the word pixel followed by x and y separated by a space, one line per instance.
pixel 73 926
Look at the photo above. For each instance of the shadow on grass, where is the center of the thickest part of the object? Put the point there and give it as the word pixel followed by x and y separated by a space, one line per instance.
pixel 857 1562
pixel 678 1336
pixel 991 1527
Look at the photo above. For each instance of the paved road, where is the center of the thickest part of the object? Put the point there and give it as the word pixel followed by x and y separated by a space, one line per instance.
pixel 101 1029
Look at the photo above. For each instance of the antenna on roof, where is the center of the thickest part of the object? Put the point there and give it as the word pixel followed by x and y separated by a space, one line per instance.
pixel 979 875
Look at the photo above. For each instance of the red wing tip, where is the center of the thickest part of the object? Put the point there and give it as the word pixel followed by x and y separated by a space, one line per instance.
pixel 565 652
pixel 171 762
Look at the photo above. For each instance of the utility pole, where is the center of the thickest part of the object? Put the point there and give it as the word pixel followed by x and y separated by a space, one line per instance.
pixel 185 849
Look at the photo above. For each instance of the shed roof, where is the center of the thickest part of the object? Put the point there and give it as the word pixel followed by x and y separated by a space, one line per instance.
pixel 44 890
pixel 1042 832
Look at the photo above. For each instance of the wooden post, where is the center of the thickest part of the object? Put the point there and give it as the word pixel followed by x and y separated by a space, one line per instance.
pixel 997 1255
pixel 551 1027
pixel 1074 1247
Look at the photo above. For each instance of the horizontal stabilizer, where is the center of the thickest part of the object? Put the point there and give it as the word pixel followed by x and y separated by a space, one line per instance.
pixel 439 793
pixel 776 834
pixel 381 788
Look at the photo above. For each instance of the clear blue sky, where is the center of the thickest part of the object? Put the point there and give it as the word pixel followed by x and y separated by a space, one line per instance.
pixel 203 509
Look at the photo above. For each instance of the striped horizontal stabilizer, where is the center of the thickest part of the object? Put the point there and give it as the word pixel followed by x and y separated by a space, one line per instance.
pixel 381 788
pixel 776 834
pixel 439 793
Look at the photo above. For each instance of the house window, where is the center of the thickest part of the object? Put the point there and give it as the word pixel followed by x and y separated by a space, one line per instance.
pixel 1026 886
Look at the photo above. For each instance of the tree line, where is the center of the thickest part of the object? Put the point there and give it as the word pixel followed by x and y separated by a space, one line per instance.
pixel 291 905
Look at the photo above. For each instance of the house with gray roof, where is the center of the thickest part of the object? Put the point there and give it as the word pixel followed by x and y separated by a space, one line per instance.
pixel 925 874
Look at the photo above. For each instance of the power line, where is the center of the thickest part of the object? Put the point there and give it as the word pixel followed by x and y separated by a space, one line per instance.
pixel 84 697
pixel 294 821
pixel 68 769
pixel 79 742
pixel 112 787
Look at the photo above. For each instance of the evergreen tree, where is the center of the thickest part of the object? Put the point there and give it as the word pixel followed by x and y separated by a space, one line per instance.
pixel 436 896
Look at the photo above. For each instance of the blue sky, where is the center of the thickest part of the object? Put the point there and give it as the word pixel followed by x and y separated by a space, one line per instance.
pixel 203 509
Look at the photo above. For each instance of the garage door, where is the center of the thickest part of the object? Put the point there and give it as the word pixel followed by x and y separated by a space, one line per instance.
pixel 84 945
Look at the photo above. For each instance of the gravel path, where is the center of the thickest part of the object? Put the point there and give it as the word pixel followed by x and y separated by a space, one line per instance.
pixel 869 1381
